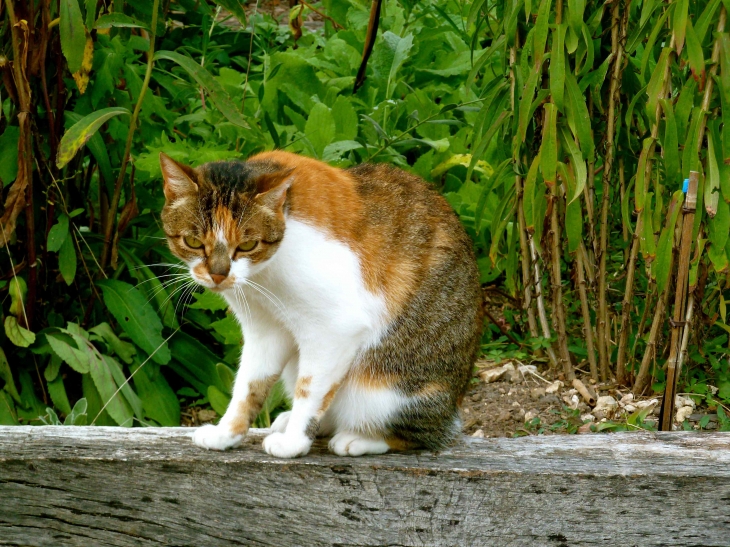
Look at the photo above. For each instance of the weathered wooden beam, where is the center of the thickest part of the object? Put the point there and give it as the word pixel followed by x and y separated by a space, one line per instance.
pixel 112 486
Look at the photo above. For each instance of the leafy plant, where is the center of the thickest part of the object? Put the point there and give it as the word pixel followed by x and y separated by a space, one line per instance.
pixel 559 133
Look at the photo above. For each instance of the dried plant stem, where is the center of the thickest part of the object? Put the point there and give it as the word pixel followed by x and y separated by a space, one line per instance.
pixel 585 310
pixel 556 283
pixel 112 213
pixel 519 191
pixel 24 178
pixel 643 375
pixel 542 315
pixel 618 23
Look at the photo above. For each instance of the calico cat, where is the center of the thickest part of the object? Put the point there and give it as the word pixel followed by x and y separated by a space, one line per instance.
pixel 358 288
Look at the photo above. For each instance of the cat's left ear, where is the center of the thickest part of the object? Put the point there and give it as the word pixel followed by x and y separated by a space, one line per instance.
pixel 179 178
pixel 274 189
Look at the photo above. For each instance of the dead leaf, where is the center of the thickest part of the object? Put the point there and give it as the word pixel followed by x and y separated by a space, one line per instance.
pixel 82 76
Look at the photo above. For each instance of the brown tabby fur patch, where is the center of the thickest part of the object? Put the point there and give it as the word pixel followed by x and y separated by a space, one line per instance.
pixel 248 409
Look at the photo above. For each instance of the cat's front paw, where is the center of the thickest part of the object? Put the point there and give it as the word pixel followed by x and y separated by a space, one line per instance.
pixel 283 445
pixel 216 437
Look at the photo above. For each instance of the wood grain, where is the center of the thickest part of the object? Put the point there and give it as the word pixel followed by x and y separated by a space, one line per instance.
pixel 123 487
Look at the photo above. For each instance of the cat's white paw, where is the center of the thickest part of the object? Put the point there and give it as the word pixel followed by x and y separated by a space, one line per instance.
pixel 283 445
pixel 282 420
pixel 352 444
pixel 216 437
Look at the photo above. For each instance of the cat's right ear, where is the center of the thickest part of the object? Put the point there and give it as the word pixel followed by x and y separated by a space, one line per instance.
pixel 178 178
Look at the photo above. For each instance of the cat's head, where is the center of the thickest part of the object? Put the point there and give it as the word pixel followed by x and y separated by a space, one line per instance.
pixel 225 220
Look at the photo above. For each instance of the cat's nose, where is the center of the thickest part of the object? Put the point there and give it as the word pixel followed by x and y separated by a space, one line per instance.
pixel 217 278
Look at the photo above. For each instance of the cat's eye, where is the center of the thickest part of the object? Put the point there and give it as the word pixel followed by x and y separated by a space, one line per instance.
pixel 247 246
pixel 193 242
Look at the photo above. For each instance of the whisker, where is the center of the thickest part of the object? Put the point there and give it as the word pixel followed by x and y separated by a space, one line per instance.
pixel 258 288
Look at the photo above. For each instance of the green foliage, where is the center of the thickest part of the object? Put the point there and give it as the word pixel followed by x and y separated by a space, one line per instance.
pixel 492 102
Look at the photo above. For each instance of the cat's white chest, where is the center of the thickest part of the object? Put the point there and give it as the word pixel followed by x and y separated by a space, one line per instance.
pixel 315 282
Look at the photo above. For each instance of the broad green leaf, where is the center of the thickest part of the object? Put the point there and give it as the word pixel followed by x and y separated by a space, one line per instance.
pixel 57 234
pixel 679 24
pixel 226 376
pixel 152 288
pixel 218 400
pixel 649 44
pixel 67 261
pixel 229 329
pixel 495 46
pixel 136 317
pixel 8 414
pixel 78 414
pixel 655 89
pixel 641 186
pixel 124 350
pixel 9 155
pixel 549 147
pixel 719 226
pixel 528 199
pixel 695 264
pixel 666 242
pixel 17 289
pixel 81 131
pixel 205 80
pixel 53 368
pixel 696 57
pixel 401 47
pixel 670 145
pixel 116 406
pixel 524 106
pixel 573 213
pixel 320 129
pixel 575 13
pixel 73 34
pixel 487 189
pixel 125 387
pixel 557 65
pixel 485 141
pixel 541 32
pixel 577 163
pixel 712 180
pixel 718 257
pixel 236 8
pixel 208 300
pixel 705 19
pixel 578 117
pixel 646 238
pixel 196 358
pixel 690 155
pixel 94 413
pixel 7 376
pixel 625 216
pixel 159 400
pixel 57 391
pixel 72 356
pixel 18 335
pixel 119 20
pixel 345 118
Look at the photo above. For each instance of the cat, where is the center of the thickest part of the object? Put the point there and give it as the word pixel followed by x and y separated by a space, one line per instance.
pixel 358 288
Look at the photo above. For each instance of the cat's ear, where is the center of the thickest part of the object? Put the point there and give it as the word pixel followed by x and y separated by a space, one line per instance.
pixel 179 178
pixel 273 189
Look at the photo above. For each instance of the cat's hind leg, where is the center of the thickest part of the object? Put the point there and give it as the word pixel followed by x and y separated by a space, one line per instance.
pixel 347 443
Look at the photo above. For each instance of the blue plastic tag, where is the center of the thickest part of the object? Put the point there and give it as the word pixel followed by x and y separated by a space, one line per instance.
pixel 685 186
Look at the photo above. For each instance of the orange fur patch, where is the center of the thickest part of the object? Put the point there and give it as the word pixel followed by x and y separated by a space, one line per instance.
pixel 248 409
pixel 328 198
pixel 327 400
pixel 301 390
pixel 398 445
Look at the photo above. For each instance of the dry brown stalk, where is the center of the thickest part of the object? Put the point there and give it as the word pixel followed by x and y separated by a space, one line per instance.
pixel 618 37
pixel 588 397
